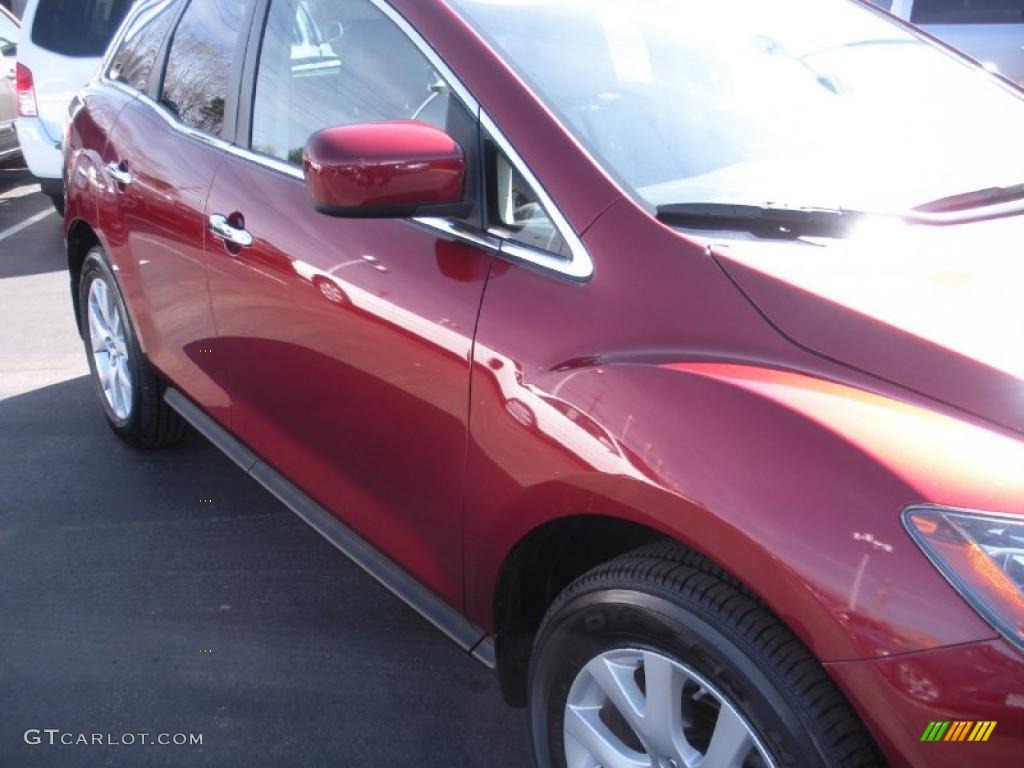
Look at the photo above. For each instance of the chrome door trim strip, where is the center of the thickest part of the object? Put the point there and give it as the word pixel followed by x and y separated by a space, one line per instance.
pixel 390 574
pixel 579 266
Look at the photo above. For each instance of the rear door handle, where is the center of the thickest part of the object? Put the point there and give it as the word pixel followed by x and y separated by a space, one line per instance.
pixel 221 227
pixel 119 174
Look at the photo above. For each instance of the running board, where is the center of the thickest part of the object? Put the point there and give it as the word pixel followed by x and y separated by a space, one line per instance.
pixel 399 581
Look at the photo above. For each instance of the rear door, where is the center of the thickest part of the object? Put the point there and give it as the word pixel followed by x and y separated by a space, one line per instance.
pixel 161 161
pixel 347 342
pixel 62 43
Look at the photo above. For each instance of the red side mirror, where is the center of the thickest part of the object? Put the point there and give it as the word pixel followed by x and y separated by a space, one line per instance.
pixel 385 170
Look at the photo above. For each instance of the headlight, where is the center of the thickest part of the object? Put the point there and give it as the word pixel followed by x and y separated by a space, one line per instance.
pixel 982 556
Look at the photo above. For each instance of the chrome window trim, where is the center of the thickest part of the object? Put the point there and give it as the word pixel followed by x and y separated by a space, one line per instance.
pixel 578 267
pixel 461 232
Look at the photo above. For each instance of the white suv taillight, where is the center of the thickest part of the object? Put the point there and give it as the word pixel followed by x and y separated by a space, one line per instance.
pixel 26 93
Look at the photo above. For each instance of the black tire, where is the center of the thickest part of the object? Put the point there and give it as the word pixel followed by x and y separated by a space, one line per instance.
pixel 58 203
pixel 671 600
pixel 150 422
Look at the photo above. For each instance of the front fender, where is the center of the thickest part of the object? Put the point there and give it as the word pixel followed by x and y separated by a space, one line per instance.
pixel 792 483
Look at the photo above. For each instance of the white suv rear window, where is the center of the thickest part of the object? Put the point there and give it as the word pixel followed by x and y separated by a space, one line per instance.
pixel 968 12
pixel 77 27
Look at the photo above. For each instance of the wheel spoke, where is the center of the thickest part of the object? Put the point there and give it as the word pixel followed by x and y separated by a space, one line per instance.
pixel 616 680
pixel 609 698
pixel 109 347
pixel 125 381
pixel 584 724
pixel 663 714
pixel 730 742
pixel 109 310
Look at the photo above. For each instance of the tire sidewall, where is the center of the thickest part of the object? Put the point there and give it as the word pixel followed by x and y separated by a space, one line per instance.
pixel 610 619
pixel 96 266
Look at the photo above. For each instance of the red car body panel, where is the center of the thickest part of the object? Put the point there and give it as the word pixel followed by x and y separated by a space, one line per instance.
pixel 155 231
pixel 447 403
pixel 346 347
pixel 899 697
pixel 934 309
pixel 388 164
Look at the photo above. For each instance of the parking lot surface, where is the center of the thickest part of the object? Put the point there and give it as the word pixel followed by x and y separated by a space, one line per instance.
pixel 130 604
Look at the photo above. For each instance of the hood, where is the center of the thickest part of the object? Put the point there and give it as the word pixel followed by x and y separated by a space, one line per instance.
pixel 937 309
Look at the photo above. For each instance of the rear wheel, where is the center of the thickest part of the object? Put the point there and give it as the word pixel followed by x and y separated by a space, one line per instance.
pixel 660 660
pixel 58 203
pixel 129 388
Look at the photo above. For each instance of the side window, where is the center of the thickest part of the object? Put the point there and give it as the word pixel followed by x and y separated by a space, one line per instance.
pixel 133 62
pixel 200 61
pixel 337 63
pixel 514 210
pixel 77 27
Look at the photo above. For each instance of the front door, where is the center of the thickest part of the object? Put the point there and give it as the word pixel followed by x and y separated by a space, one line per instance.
pixel 347 342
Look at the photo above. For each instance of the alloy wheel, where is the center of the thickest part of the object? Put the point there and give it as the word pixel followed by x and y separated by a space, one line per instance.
pixel 109 349
pixel 632 708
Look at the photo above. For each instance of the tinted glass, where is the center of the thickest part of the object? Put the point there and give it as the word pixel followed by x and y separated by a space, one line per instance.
pixel 199 64
pixel 968 12
pixel 133 62
pixel 337 62
pixel 78 27
pixel 754 102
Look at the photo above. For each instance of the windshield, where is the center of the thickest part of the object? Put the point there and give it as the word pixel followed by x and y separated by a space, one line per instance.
pixel 791 102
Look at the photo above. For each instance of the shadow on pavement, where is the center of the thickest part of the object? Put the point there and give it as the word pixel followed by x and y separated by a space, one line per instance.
pixel 131 605
pixel 14 175
pixel 36 250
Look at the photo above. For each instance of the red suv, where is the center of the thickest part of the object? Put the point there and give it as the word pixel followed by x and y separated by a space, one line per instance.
pixel 667 356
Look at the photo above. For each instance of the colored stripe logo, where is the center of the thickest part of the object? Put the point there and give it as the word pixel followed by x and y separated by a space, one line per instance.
pixel 959 730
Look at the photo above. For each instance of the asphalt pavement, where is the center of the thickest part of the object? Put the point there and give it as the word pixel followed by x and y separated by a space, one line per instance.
pixel 129 605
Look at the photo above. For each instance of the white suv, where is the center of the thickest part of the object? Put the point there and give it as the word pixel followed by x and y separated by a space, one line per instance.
pixel 62 43
pixel 991 31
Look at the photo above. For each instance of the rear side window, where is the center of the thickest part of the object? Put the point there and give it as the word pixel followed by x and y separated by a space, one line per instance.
pixel 968 12
pixel 133 62
pixel 199 65
pixel 78 27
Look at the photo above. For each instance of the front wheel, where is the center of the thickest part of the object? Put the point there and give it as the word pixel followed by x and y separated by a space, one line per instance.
pixel 129 388
pixel 660 660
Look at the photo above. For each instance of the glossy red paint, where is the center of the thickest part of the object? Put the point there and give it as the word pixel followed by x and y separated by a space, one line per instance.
pixel 447 403
pixel 345 345
pixel 898 697
pixel 389 169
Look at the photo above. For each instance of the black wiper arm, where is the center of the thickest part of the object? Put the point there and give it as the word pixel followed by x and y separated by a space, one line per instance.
pixel 761 220
pixel 977 199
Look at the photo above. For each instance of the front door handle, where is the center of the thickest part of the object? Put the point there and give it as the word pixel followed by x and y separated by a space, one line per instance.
pixel 119 174
pixel 221 227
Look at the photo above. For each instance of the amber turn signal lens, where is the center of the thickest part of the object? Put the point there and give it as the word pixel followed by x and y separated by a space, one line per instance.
pixel 982 556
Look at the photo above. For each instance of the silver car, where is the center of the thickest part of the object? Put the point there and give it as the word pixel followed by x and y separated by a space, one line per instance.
pixel 9 30
pixel 991 31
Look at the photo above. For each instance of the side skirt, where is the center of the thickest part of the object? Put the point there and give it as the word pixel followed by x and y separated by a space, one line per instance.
pixel 404 585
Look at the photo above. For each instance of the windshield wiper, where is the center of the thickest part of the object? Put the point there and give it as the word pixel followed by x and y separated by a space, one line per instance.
pixel 970 200
pixel 762 220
